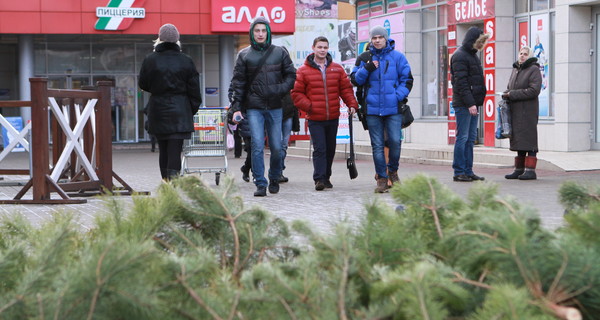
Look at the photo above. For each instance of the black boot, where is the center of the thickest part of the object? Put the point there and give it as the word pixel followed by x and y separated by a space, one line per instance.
pixel 274 186
pixel 172 174
pixel 529 174
pixel 163 173
pixel 519 168
pixel 245 173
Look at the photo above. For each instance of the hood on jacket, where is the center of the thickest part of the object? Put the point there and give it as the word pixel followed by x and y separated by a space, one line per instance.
pixel 526 64
pixel 390 46
pixel 267 43
pixel 472 35
pixel 310 60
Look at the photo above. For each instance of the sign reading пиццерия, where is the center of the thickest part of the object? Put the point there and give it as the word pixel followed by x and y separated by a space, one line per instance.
pixel 119 14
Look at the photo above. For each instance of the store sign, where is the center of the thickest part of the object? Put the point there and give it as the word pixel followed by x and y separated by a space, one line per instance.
pixel 469 10
pixel 237 15
pixel 119 14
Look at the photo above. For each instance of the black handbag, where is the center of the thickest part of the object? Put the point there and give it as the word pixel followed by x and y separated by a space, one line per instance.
pixel 350 161
pixel 407 116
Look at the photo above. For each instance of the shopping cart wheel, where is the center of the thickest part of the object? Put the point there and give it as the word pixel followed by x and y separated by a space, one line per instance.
pixel 217 177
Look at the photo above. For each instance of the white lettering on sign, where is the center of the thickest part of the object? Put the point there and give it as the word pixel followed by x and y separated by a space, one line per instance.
pixel 489 81
pixel 489 28
pixel 231 15
pixel 489 108
pixel 523 41
pixel 107 12
pixel 489 55
pixel 470 9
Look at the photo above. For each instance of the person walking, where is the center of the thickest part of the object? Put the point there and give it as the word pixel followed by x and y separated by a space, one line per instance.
pixel 524 86
pixel 468 94
pixel 262 75
pixel 386 74
pixel 290 122
pixel 320 83
pixel 174 84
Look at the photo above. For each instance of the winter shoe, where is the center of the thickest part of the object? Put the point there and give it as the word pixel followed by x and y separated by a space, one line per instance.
pixel 163 173
pixel 475 177
pixel 462 178
pixel 245 173
pixel 319 185
pixel 519 168
pixel 261 191
pixel 274 186
pixel 382 186
pixel 529 173
pixel 172 174
pixel 328 184
pixel 283 179
pixel 393 178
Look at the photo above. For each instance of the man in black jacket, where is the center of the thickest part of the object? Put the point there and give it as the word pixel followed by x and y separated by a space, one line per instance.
pixel 468 94
pixel 258 89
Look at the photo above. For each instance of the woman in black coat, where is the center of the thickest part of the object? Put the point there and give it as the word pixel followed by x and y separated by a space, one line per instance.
pixel 172 79
pixel 524 86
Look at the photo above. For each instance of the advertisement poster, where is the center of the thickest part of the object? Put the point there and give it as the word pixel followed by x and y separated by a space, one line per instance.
pixel 399 5
pixel 347 43
pixel 540 43
pixel 316 9
pixel 299 45
pixel 362 9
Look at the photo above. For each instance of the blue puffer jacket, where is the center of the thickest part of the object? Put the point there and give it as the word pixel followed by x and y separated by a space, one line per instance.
pixel 388 84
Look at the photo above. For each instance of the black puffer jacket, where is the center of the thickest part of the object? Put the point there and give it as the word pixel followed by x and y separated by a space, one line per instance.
pixel 172 79
pixel 274 80
pixel 468 84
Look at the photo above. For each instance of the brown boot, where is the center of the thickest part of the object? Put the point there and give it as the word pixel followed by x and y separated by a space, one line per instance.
pixel 519 168
pixel 382 186
pixel 393 178
pixel 529 174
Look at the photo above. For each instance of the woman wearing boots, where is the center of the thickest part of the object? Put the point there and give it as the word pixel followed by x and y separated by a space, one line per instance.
pixel 173 80
pixel 522 93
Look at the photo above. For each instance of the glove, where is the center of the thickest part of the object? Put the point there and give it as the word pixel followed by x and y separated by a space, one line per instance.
pixel 370 66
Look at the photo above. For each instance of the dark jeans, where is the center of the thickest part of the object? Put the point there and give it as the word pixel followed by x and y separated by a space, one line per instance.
pixel 323 135
pixel 466 134
pixel 169 156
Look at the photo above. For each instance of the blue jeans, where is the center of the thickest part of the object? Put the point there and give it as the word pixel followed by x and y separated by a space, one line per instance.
pixel 286 132
pixel 260 121
pixel 379 128
pixel 466 134
pixel 323 136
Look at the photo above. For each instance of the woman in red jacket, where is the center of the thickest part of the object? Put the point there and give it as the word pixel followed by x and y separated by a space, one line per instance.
pixel 320 83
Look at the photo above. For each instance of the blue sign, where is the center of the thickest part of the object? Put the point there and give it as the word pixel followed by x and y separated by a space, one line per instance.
pixel 17 123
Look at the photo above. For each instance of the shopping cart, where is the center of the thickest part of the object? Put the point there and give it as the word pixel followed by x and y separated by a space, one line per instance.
pixel 209 140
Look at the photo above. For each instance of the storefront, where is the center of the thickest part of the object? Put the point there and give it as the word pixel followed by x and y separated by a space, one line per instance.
pixel 75 43
pixel 559 33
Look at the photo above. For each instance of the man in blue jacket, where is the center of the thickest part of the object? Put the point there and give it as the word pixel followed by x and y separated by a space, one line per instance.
pixel 385 75
pixel 468 94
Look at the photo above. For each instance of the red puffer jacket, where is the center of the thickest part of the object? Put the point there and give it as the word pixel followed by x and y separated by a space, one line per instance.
pixel 309 90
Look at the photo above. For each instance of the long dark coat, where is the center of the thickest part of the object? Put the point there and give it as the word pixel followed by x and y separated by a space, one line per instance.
pixel 524 86
pixel 172 79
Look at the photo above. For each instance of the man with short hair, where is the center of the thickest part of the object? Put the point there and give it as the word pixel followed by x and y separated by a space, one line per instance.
pixel 257 90
pixel 468 94
pixel 320 83
pixel 386 75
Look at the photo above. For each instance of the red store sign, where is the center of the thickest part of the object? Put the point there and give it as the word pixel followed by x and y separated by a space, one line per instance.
pixel 237 15
pixel 470 10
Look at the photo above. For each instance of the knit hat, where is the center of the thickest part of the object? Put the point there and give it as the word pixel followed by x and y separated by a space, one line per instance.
pixel 168 33
pixel 379 31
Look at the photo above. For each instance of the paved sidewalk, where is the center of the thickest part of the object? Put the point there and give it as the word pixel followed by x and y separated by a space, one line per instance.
pixel 297 199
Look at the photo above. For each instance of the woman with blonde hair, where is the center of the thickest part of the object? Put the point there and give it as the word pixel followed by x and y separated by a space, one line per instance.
pixel 522 92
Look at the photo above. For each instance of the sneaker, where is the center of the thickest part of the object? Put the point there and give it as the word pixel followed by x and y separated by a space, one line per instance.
pixel 476 177
pixel 319 185
pixel 283 179
pixel 328 184
pixel 245 173
pixel 462 178
pixel 274 186
pixel 261 191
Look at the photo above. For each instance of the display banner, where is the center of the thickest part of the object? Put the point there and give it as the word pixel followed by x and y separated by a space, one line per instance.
pixel 460 11
pixel 237 15
pixel 540 43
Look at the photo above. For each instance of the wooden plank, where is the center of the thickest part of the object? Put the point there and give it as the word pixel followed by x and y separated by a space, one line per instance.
pixel 14 103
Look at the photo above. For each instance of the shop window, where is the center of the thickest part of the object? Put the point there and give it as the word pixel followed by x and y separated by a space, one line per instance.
pixel 442 15
pixel 521 6
pixel 67 57
pixel 537 5
pixel 39 57
pixel 435 67
pixel 429 18
pixel 113 58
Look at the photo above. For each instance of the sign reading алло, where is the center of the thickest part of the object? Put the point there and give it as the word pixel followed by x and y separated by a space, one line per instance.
pixel 469 10
pixel 237 15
